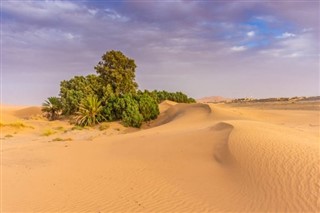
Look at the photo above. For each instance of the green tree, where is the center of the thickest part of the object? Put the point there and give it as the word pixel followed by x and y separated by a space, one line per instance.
pixel 172 96
pixel 90 112
pixel 52 107
pixel 118 70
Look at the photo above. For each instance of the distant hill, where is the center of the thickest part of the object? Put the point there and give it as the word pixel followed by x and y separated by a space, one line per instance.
pixel 213 99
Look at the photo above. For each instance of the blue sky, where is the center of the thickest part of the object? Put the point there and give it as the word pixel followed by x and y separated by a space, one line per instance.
pixel 228 48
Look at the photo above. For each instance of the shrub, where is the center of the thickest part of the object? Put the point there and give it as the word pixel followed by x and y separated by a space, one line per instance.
pixel 114 107
pixel 131 115
pixel 148 107
pixel 125 108
pixel 90 112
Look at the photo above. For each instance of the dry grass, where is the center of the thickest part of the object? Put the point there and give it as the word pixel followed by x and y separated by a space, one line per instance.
pixel 77 128
pixel 104 126
pixel 59 128
pixel 48 132
pixel 17 124
pixel 62 139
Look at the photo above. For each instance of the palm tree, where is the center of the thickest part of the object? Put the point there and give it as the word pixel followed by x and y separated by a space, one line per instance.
pixel 90 112
pixel 52 107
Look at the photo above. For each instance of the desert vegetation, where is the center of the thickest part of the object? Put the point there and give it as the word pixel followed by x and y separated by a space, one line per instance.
pixel 110 95
pixel 16 125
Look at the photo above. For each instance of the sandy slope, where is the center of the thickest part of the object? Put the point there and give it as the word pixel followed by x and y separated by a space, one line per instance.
pixel 193 158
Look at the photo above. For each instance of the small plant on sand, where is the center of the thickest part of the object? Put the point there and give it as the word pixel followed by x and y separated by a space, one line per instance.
pixel 104 126
pixel 62 139
pixel 48 132
pixel 17 124
pixel 8 136
pixel 77 127
pixel 90 112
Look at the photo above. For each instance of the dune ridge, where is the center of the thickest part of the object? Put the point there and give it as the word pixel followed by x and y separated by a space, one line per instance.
pixel 193 158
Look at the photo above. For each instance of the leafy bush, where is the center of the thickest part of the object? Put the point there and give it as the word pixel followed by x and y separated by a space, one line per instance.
pixel 125 108
pixel 131 116
pixel 148 107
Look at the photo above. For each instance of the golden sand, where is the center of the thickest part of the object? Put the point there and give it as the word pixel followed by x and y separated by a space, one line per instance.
pixel 193 158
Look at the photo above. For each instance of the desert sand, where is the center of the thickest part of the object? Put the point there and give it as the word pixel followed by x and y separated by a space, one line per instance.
pixel 193 158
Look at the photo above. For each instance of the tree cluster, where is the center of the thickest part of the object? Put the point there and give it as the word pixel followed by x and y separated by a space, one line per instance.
pixel 111 95
pixel 178 97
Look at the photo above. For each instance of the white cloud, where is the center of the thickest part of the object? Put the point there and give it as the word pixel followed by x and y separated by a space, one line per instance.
pixel 238 48
pixel 93 12
pixel 298 46
pixel 251 33
pixel 40 9
pixel 69 36
pixel 115 16
pixel 286 35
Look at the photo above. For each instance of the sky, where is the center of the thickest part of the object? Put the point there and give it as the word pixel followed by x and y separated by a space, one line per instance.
pixel 229 48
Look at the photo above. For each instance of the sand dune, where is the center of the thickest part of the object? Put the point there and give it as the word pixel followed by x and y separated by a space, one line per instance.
pixel 28 112
pixel 163 106
pixel 193 158
pixel 181 112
